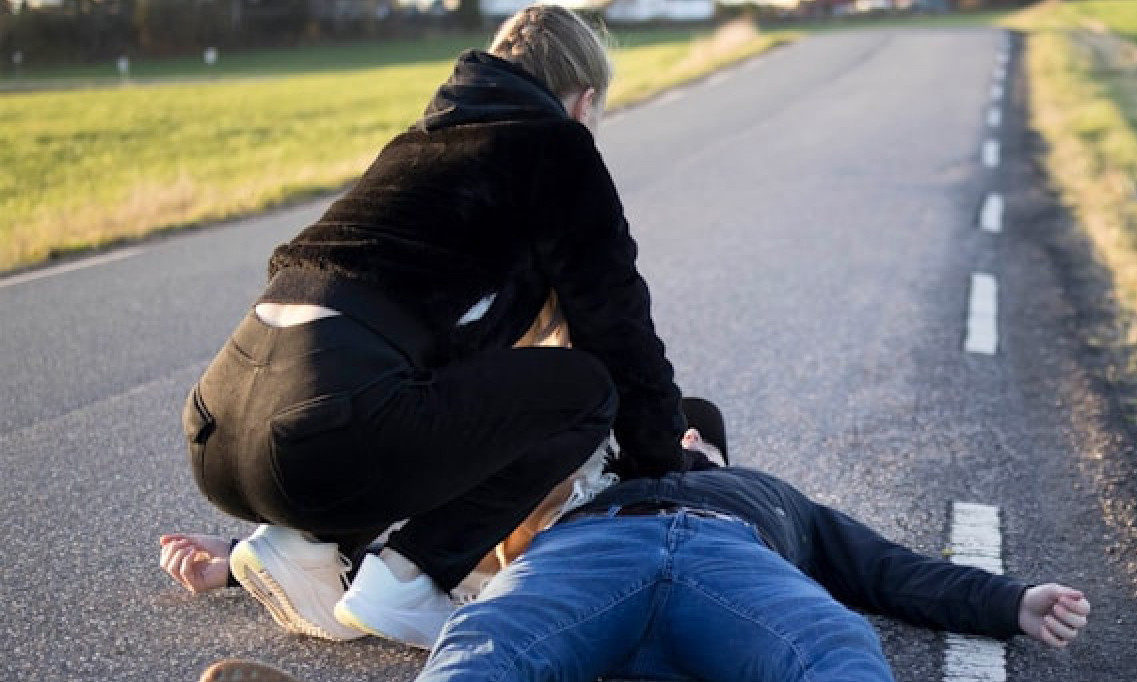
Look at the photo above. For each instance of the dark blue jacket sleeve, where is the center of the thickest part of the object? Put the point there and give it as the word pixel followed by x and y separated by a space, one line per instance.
pixel 864 570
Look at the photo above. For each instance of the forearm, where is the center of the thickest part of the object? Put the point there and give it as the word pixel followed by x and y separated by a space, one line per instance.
pixel 586 250
pixel 867 571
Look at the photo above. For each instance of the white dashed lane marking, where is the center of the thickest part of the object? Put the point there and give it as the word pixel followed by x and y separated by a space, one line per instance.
pixel 991 153
pixel 975 541
pixel 991 217
pixel 982 314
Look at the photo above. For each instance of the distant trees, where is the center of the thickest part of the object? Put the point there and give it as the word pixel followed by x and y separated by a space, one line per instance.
pixel 70 30
pixel 163 26
pixel 87 30
pixel 470 13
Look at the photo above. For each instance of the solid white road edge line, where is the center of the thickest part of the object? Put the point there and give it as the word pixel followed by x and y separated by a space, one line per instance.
pixel 991 217
pixel 70 267
pixel 671 96
pixel 982 315
pixel 991 153
pixel 975 541
pixel 717 78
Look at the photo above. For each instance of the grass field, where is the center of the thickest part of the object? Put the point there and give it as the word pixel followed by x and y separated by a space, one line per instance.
pixel 1081 61
pixel 1118 16
pixel 96 165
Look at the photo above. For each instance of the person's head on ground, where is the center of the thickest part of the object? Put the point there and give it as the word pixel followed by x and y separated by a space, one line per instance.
pixel 694 442
pixel 557 47
pixel 705 418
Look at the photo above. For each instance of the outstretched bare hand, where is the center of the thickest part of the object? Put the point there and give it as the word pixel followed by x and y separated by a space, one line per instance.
pixel 199 563
pixel 1053 613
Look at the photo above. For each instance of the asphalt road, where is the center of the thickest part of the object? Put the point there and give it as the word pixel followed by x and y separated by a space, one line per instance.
pixel 807 222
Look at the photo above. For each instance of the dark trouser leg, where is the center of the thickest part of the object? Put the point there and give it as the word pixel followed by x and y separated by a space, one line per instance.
pixel 470 452
pixel 440 541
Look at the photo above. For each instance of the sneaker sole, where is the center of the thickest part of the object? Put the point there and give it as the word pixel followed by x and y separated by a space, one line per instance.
pixel 346 617
pixel 233 670
pixel 257 581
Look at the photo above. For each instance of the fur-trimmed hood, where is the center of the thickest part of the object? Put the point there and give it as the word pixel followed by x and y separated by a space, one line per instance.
pixel 485 89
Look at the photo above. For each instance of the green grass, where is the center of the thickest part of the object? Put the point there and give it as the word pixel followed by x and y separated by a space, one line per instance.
pixel 88 167
pixel 92 166
pixel 262 62
pixel 1081 61
pixel 1120 17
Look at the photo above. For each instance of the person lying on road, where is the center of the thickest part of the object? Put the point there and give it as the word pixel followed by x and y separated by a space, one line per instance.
pixel 725 573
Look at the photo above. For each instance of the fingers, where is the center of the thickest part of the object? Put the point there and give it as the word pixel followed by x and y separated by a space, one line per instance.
pixel 188 571
pixel 1048 637
pixel 1067 616
pixel 170 555
pixel 178 559
pixel 1053 613
pixel 690 437
pixel 1059 630
pixel 1077 604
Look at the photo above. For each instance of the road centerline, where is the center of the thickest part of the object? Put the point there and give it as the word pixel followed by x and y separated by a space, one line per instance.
pixel 991 153
pixel 975 541
pixel 982 314
pixel 991 217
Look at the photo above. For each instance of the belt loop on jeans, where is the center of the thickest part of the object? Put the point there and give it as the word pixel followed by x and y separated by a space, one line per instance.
pixel 613 510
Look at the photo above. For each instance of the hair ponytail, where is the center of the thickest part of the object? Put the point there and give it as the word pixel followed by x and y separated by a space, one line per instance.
pixel 557 46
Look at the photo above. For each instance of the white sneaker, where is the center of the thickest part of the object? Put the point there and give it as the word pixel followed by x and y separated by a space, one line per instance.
pixel 378 603
pixel 298 580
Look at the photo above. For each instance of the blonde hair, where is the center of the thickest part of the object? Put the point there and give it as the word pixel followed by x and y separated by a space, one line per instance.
pixel 558 47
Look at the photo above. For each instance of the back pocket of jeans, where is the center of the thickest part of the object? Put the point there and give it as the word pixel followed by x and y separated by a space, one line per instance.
pixel 316 455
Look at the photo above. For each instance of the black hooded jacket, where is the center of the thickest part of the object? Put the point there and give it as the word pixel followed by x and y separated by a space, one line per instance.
pixel 497 196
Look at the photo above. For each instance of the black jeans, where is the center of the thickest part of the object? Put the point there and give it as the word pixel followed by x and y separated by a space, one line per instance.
pixel 325 427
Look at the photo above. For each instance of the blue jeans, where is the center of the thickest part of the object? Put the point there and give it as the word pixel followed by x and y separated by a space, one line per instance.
pixel 676 597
